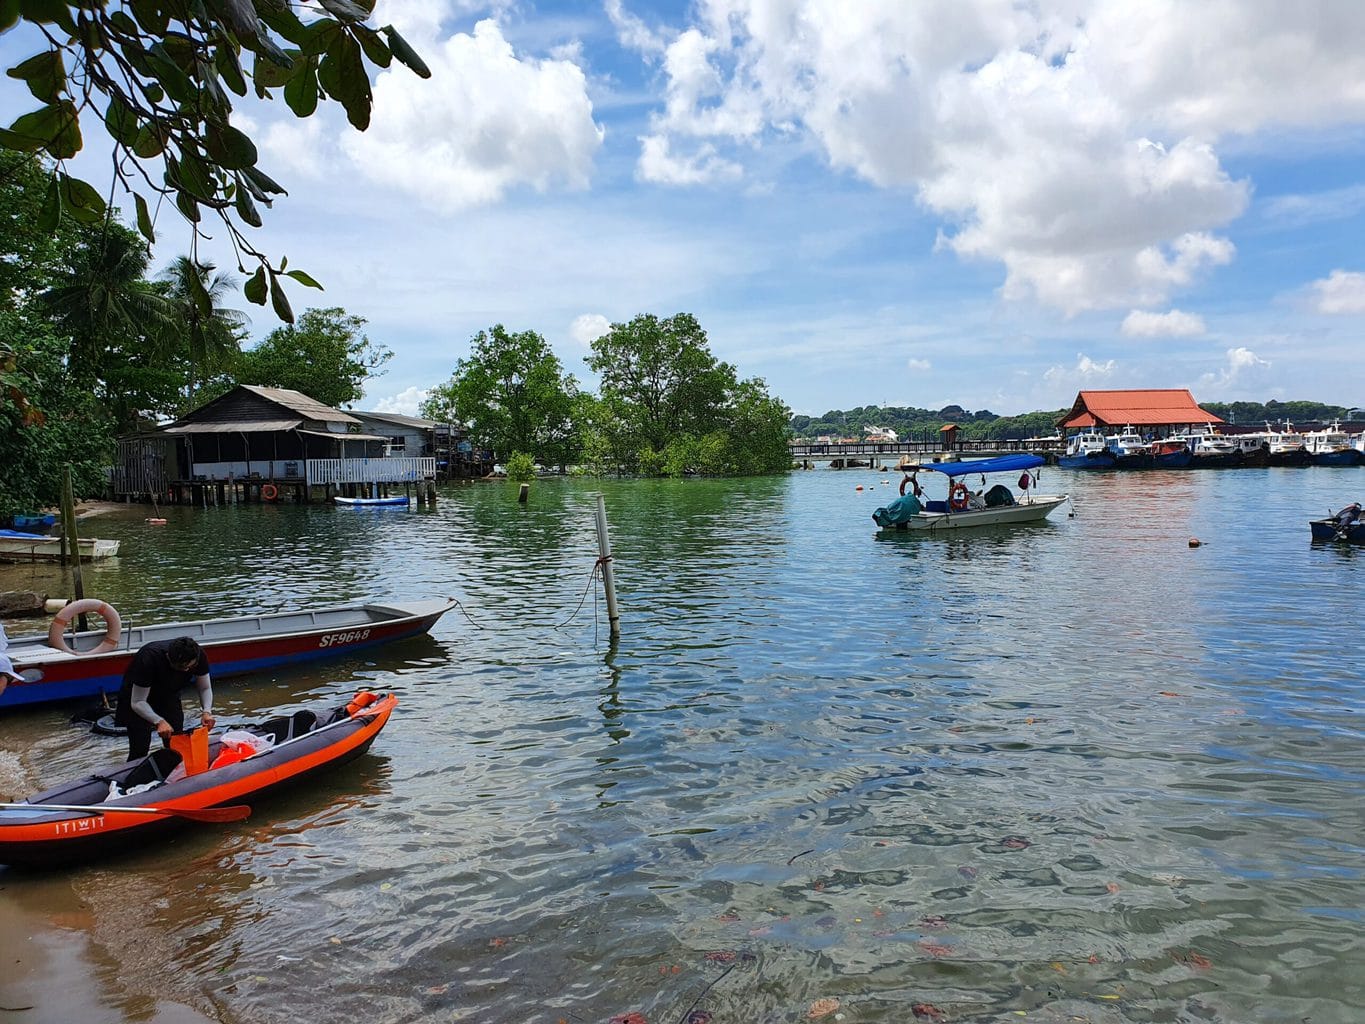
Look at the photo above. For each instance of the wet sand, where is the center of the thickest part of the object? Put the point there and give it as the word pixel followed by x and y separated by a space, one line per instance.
pixel 71 951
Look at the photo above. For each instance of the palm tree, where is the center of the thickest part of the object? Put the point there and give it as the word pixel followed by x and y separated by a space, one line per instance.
pixel 102 299
pixel 211 333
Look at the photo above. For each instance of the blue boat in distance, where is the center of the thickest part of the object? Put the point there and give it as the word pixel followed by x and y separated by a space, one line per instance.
pixel 1089 450
pixel 370 502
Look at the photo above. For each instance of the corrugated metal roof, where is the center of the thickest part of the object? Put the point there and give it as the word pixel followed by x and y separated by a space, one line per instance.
pixel 1137 408
pixel 335 436
pixel 297 401
pixel 393 417
pixel 245 426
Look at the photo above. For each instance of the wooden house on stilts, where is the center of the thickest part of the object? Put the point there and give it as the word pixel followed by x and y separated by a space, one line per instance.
pixel 264 444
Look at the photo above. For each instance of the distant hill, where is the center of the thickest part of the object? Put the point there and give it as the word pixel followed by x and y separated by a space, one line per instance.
pixel 924 424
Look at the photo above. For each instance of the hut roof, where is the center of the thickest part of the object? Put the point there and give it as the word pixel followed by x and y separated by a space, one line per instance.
pixel 1158 407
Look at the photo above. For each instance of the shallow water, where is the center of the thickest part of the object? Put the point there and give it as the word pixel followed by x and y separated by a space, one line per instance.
pixel 1074 770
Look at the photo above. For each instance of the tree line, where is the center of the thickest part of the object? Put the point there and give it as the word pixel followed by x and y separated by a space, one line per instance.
pixel 666 406
pixel 913 423
pixel 94 343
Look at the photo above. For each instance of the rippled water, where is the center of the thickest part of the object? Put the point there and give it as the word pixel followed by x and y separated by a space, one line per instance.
pixel 1077 771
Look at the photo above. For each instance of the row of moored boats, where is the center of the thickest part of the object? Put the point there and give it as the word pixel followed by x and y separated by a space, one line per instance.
pixel 1204 447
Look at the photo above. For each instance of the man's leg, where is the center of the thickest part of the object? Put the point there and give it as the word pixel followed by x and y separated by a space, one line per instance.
pixel 139 739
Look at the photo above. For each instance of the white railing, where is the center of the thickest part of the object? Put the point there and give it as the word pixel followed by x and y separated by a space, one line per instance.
pixel 370 471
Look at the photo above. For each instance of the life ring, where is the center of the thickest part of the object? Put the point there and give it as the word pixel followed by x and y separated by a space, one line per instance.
pixel 113 626
pixel 904 480
pixel 957 497
pixel 269 492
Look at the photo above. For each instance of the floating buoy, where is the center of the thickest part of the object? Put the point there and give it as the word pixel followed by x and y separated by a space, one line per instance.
pixel 156 522
pixel 858 488
pixel 1195 542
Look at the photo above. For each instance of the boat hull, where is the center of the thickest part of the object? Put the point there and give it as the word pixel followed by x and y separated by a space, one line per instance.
pixel 1094 460
pixel 371 502
pixel 1032 511
pixel 1326 530
pixel 1345 457
pixel 37 548
pixel 282 639
pixel 46 838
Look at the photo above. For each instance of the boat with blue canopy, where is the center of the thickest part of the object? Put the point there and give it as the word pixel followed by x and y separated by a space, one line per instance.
pixel 963 507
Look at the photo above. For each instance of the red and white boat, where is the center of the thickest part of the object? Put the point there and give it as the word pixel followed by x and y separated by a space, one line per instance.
pixel 90 663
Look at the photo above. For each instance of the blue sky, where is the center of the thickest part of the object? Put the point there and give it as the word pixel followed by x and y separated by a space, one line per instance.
pixel 979 202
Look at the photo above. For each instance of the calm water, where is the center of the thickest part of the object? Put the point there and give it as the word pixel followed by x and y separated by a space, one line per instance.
pixel 1078 771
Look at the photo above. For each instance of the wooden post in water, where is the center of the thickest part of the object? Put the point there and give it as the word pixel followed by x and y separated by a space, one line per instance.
pixel 71 541
pixel 523 493
pixel 604 557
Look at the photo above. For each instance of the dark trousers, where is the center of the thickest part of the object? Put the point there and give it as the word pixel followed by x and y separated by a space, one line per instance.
pixel 140 730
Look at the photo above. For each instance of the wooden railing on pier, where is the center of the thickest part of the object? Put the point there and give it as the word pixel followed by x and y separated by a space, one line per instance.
pixel 829 451
pixel 370 471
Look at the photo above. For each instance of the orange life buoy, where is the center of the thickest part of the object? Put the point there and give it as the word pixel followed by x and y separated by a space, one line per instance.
pixel 269 492
pixel 113 626
pixel 904 480
pixel 957 497
pixel 362 700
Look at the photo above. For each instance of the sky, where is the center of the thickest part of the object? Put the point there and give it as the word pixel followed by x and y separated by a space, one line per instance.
pixel 984 203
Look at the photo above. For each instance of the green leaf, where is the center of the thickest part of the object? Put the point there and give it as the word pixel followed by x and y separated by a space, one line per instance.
pixel 194 175
pixel 255 287
pixel 230 68
pixel 229 147
pixel 345 10
pixel 149 142
pixel 271 75
pixel 55 128
pixel 184 202
pixel 144 219
pixel 246 209
pixel 286 23
pixel 122 22
pixel 40 126
pixel 304 279
pixel 280 301
pixel 375 48
pixel 406 53
pixel 48 12
pixel 51 213
pixel 43 73
pixel 19 143
pixel 301 91
pixel 342 74
pixel 81 200
pixel 9 14
pixel 176 83
pixel 263 181
pixel 67 142
pixel 121 122
pixel 198 292
pixel 153 15
pixel 321 36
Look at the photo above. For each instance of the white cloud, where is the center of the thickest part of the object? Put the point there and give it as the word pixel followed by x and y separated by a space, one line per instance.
pixel 918 365
pixel 1173 324
pixel 1085 373
pixel 1342 291
pixel 633 33
pixel 405 403
pixel 1075 145
pixel 487 121
pixel 588 328
pixel 1242 369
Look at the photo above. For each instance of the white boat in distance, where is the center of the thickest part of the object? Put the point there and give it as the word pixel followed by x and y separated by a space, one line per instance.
pixel 17 546
pixel 963 508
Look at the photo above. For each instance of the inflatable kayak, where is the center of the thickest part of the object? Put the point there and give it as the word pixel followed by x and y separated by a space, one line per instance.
pixel 89 818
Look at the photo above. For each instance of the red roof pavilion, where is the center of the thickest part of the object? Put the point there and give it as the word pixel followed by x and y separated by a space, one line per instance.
pixel 1164 407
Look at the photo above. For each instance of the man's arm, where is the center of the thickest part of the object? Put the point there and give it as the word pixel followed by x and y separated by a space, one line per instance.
pixel 143 709
pixel 205 687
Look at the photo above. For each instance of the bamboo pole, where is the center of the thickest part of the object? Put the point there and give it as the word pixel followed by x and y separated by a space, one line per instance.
pixel 604 558
pixel 72 541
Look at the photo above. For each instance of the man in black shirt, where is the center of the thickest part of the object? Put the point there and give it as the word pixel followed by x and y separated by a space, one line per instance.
pixel 149 699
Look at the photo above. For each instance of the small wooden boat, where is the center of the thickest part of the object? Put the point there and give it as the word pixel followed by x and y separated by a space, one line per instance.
pixel 371 502
pixel 996 507
pixel 1346 526
pixel 19 546
pixel 93 662
pixel 80 820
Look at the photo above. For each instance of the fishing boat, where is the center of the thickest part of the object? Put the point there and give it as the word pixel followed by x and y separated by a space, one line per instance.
pixel 1131 450
pixel 1087 451
pixel 1330 447
pixel 88 818
pixel 1286 447
pixel 21 546
pixel 90 663
pixel 1345 526
pixel 963 508
pixel 1170 453
pixel 371 502
pixel 1210 449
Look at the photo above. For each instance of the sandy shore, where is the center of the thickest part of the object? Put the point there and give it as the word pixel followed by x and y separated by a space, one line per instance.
pixel 62 943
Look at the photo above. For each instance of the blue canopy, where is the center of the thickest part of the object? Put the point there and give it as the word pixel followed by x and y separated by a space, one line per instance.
pixel 1004 464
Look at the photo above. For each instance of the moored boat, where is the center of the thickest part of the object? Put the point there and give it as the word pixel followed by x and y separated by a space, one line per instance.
pixel 1131 450
pixel 93 662
pixel 21 546
pixel 1087 450
pixel 1345 526
pixel 88 818
pixel 371 502
pixel 1330 447
pixel 963 508
pixel 1170 453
